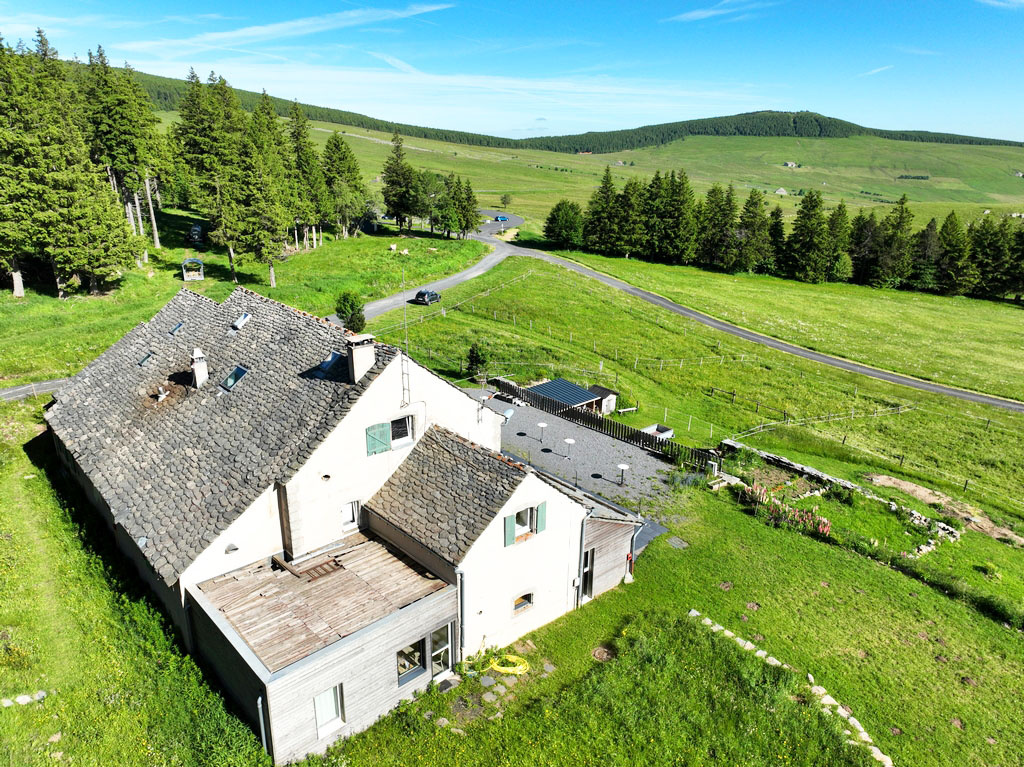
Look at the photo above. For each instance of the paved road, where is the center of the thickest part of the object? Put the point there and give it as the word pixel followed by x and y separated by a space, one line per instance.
pixel 504 249
pixel 32 389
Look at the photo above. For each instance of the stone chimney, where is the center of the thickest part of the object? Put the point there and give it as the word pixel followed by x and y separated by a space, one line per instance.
pixel 200 372
pixel 361 356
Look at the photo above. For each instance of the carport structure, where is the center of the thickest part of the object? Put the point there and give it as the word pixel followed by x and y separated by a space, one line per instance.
pixel 568 393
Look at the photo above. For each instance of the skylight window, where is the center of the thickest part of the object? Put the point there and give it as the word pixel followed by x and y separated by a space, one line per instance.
pixel 328 363
pixel 145 358
pixel 236 375
pixel 177 328
pixel 244 318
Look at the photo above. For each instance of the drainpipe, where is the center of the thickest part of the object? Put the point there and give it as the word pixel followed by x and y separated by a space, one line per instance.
pixel 460 580
pixel 632 553
pixel 263 731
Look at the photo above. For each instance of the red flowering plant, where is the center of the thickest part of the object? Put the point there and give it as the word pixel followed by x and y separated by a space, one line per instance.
pixel 779 514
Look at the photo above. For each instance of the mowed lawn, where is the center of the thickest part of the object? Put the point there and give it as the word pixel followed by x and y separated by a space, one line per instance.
pixel 42 337
pixel 930 680
pixel 963 342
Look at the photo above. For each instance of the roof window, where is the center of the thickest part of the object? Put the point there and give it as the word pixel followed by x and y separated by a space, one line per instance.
pixel 240 322
pixel 145 358
pixel 328 363
pixel 236 375
pixel 177 328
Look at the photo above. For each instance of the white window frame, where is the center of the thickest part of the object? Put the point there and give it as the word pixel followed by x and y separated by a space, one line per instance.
pixel 416 671
pixel 350 514
pixel 401 442
pixel 531 522
pixel 446 647
pixel 337 719
pixel 520 609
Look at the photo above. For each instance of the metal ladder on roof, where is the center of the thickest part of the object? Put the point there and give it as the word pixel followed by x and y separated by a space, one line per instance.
pixel 406 394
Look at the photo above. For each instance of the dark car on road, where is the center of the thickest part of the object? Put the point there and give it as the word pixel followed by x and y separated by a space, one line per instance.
pixel 427 297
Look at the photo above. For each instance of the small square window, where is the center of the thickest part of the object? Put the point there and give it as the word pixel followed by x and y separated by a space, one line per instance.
pixel 236 375
pixel 349 512
pixel 524 602
pixel 329 709
pixel 411 661
pixel 401 430
pixel 525 521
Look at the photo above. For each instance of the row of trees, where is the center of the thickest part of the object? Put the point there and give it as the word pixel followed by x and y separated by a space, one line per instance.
pixel 447 203
pixel 663 220
pixel 75 164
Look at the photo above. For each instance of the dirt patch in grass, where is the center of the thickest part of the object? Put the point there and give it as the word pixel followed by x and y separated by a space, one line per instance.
pixel 973 517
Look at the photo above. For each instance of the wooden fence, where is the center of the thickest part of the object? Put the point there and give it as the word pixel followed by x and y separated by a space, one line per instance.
pixel 672 451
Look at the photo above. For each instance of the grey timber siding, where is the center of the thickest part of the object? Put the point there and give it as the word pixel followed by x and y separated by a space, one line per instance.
pixel 611 543
pixel 365 664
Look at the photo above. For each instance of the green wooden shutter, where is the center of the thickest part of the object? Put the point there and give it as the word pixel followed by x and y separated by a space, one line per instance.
pixel 378 438
pixel 542 516
pixel 510 529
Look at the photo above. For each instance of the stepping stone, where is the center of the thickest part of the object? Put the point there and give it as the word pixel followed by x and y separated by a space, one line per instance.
pixel 545 675
pixel 449 684
pixel 488 681
pixel 678 543
pixel 865 737
pixel 728 633
pixel 693 613
pixel 21 700
pixel 509 681
pixel 818 690
pixel 810 679
pixel 828 700
pixel 548 667
pixel 40 695
pixel 761 654
pixel 428 714
pixel 716 628
pixel 442 722
pixel 500 689
pixel 772 661
pixel 843 712
pixel 489 697
pixel 496 716
pixel 6 702
pixel 856 725
pixel 707 621
pixel 457 731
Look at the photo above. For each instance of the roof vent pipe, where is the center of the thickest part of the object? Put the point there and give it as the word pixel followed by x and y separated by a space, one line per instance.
pixel 200 372
pixel 361 356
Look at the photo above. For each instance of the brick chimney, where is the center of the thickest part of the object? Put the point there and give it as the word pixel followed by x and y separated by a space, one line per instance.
pixel 361 356
pixel 200 372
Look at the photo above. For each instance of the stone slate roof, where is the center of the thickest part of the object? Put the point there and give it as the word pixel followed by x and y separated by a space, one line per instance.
pixel 176 473
pixel 447 491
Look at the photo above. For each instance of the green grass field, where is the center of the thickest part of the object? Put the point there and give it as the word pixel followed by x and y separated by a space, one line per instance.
pixel 42 337
pixel 963 342
pixel 931 681
pixel 967 178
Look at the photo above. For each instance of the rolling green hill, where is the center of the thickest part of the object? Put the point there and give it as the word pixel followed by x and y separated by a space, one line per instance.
pixel 167 94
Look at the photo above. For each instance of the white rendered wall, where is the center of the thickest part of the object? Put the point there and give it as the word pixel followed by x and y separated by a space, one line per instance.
pixel 546 564
pixel 256 533
pixel 315 504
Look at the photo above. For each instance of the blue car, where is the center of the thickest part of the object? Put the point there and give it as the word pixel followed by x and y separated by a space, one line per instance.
pixel 501 218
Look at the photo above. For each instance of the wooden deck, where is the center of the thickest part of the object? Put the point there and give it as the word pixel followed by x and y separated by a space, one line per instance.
pixel 284 617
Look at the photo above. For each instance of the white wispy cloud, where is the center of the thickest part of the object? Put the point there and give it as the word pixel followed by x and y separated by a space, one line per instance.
pixel 279 30
pixel 876 71
pixel 722 8
pixel 1004 3
pixel 397 63
pixel 914 51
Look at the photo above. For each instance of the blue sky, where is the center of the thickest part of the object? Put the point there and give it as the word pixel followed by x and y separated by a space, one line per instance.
pixel 534 68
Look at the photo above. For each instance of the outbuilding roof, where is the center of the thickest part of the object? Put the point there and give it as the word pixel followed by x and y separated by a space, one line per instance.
pixel 177 468
pixel 565 392
pixel 446 492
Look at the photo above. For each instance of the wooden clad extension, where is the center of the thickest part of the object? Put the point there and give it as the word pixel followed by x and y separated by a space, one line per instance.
pixel 284 617
pixel 610 541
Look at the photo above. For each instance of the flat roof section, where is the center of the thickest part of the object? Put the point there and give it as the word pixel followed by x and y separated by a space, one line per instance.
pixel 285 617
pixel 565 391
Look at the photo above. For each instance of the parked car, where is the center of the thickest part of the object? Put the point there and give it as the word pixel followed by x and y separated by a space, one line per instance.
pixel 195 235
pixel 501 218
pixel 427 297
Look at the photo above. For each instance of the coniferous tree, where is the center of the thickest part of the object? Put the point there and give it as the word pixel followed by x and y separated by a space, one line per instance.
pixel 924 275
pixel 398 178
pixel 991 244
pixel 445 215
pixel 717 229
pixel 16 205
pixel 1016 286
pixel 958 273
pixel 777 262
pixel 469 216
pixel 655 220
pixel 312 203
pixel 895 247
pixel 263 201
pixel 223 187
pixel 840 266
pixel 809 242
pixel 680 227
pixel 629 220
pixel 564 225
pixel 753 242
pixel 864 244
pixel 599 233
pixel 344 183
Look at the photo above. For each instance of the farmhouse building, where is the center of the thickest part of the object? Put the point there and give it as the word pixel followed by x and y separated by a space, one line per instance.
pixel 781 191
pixel 329 524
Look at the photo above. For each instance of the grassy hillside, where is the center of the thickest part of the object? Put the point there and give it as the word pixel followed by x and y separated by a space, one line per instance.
pixel 957 341
pixel 970 179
